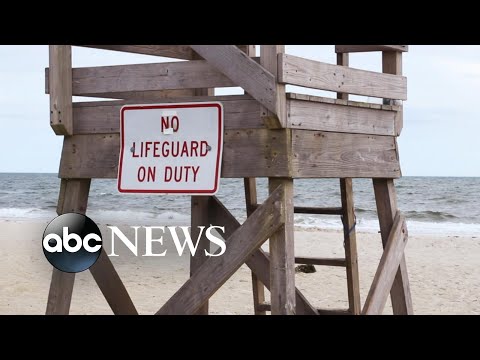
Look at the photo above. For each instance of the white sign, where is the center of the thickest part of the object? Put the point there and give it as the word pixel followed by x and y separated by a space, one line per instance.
pixel 171 148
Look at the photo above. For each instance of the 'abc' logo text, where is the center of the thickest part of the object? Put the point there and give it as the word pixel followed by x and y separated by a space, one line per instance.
pixel 72 242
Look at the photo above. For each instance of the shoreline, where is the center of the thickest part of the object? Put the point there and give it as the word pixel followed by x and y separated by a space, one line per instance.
pixel 298 227
pixel 443 271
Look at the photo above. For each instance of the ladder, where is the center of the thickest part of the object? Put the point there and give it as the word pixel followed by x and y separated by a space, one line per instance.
pixel 350 262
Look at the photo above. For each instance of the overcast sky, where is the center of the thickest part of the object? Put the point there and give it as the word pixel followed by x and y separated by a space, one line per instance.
pixel 441 121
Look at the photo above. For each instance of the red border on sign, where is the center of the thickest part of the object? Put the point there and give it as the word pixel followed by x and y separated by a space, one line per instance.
pixel 171 106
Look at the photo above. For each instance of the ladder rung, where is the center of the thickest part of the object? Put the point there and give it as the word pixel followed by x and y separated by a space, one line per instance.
pixel 267 307
pixel 305 260
pixel 334 312
pixel 264 307
pixel 321 261
pixel 312 210
pixel 318 211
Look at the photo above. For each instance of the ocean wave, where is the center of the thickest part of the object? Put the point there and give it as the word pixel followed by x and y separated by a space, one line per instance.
pixel 429 215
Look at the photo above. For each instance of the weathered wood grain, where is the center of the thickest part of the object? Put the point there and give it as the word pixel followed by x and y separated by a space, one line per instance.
pixel 325 116
pixel 73 197
pixel 96 156
pixel 392 64
pixel 112 286
pixel 386 200
pixel 268 59
pixel 258 289
pixel 199 217
pixel 350 245
pixel 105 81
pixel 368 48
pixel 313 74
pixel 217 270
pixel 387 268
pixel 259 262
pixel 338 155
pixel 102 117
pixel 246 72
pixel 60 86
pixel 282 253
pixel 171 51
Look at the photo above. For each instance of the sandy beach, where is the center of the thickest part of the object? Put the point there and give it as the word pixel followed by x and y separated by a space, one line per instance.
pixel 444 274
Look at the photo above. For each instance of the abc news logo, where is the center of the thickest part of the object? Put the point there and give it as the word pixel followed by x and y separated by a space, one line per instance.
pixel 72 242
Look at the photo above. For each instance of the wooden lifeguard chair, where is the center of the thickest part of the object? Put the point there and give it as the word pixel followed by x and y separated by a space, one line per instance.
pixel 268 133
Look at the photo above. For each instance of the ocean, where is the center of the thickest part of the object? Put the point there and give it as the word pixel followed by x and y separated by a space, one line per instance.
pixel 432 205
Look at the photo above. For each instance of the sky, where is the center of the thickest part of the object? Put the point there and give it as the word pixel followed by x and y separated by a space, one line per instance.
pixel 441 116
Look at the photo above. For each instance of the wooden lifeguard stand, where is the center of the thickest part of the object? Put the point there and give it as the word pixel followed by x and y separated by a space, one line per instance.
pixel 268 133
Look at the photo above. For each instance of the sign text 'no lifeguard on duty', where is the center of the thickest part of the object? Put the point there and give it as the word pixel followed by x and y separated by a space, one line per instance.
pixel 171 148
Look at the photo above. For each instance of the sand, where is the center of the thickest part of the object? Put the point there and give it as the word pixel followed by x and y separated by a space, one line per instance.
pixel 444 274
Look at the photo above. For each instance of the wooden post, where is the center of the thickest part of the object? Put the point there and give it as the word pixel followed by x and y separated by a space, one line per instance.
pixel 282 257
pixel 73 197
pixel 269 60
pixel 257 286
pixel 386 199
pixel 60 84
pixel 199 214
pixel 351 258
pixel 200 209
pixel 350 238
pixel 388 267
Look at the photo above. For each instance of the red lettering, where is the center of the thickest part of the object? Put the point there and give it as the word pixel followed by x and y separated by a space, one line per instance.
pixel 141 174
pixel 184 149
pixel 195 172
pixel 194 148
pixel 168 174
pixel 133 152
pixel 203 148
pixel 167 124
pixel 165 151
pixel 155 149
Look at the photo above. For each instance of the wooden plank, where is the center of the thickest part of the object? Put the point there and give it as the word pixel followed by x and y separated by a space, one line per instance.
pixel 102 117
pixel 340 118
pixel 386 200
pixel 60 80
pixel 307 260
pixel 243 71
pixel 112 286
pixel 199 217
pixel 313 74
pixel 258 289
pixel 368 48
pixel 259 262
pixel 338 155
pixel 334 312
pixel 269 149
pixel 282 253
pixel 217 270
pixel 108 80
pixel 268 59
pixel 358 104
pixel 350 245
pixel 388 267
pixel 268 307
pixel 96 156
pixel 171 51
pixel 60 293
pixel 73 197
pixel 316 210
